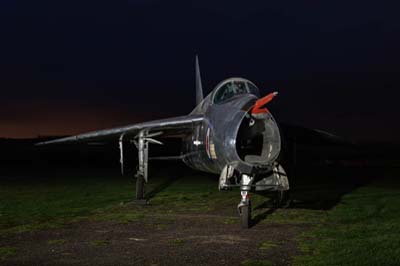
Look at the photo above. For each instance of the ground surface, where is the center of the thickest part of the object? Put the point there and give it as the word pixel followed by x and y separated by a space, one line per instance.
pixel 83 217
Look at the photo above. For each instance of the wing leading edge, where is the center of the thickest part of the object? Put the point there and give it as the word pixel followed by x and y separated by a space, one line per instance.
pixel 173 123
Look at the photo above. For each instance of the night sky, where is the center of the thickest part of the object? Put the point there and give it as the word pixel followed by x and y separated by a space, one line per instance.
pixel 67 67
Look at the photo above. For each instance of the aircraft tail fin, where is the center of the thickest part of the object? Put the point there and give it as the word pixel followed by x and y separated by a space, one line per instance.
pixel 199 88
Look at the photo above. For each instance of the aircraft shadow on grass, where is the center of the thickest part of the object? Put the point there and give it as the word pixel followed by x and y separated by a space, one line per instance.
pixel 321 190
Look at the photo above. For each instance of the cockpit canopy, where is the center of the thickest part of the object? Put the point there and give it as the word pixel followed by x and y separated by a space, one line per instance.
pixel 231 87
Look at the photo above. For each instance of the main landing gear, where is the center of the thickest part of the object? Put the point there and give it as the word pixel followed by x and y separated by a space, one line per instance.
pixel 142 141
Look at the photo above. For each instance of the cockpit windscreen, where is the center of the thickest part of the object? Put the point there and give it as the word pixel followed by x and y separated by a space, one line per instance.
pixel 230 89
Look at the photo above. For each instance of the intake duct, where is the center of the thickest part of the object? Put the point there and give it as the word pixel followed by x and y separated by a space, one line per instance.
pixel 258 140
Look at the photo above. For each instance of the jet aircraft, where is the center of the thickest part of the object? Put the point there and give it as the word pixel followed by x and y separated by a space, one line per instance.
pixel 230 133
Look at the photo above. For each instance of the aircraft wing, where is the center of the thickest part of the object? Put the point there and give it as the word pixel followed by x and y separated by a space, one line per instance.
pixel 175 123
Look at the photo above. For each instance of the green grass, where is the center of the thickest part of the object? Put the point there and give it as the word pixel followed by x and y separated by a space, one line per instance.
pixel 267 245
pixel 363 229
pixel 192 195
pixel 56 241
pixel 98 243
pixel 177 242
pixel 65 198
pixel 230 220
pixel 7 252
pixel 120 215
pixel 51 203
pixel 251 262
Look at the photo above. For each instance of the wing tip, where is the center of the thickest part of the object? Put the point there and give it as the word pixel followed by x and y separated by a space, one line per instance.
pixel 54 141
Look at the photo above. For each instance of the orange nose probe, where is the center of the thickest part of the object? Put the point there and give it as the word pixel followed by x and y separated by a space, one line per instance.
pixel 260 103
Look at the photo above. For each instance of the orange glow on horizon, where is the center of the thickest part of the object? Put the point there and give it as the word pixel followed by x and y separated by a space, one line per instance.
pixel 30 121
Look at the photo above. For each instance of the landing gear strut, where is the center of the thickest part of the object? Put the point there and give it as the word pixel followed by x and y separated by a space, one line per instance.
pixel 244 207
pixel 141 174
pixel 142 144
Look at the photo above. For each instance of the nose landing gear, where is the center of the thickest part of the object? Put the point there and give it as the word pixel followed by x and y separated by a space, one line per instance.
pixel 276 182
pixel 244 207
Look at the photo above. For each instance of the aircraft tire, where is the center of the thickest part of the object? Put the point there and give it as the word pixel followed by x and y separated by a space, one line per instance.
pixel 282 199
pixel 139 188
pixel 245 216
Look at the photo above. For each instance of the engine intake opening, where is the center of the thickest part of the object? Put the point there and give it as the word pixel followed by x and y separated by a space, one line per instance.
pixel 258 139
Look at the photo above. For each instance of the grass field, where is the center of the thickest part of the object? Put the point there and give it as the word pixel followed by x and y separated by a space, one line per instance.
pixel 363 228
pixel 30 205
pixel 26 205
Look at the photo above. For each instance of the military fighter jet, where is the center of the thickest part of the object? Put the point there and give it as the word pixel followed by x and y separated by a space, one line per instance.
pixel 230 133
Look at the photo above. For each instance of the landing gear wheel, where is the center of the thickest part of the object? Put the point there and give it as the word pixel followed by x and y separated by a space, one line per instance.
pixel 245 216
pixel 282 199
pixel 139 188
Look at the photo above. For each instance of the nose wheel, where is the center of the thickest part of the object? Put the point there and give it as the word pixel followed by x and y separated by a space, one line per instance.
pixel 276 182
pixel 245 215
